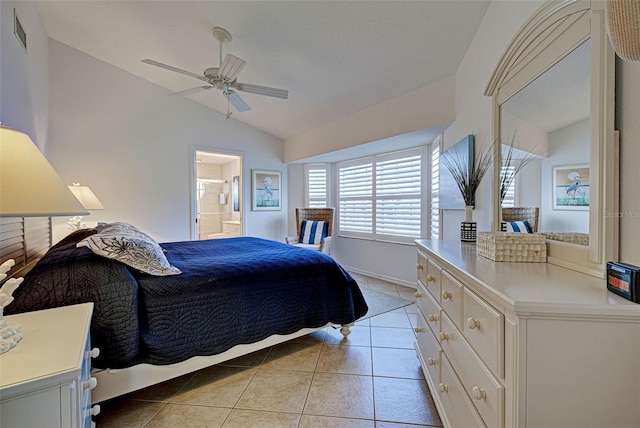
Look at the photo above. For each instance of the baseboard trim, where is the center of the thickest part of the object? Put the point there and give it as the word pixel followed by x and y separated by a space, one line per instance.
pixel 382 277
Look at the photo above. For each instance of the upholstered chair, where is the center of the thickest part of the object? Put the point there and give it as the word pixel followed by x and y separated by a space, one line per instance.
pixel 312 233
pixel 530 214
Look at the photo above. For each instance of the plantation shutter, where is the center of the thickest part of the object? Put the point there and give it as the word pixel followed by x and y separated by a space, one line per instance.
pixel 510 196
pixel 356 197
pixel 316 185
pixel 398 194
pixel 435 190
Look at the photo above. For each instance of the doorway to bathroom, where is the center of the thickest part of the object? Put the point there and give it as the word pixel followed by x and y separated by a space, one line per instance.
pixel 217 194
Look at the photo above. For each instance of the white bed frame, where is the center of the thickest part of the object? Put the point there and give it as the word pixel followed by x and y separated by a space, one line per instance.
pixel 113 383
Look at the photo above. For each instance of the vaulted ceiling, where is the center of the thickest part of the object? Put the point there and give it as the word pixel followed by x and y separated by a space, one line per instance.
pixel 334 57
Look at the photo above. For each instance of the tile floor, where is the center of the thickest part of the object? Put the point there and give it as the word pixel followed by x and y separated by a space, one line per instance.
pixel 371 380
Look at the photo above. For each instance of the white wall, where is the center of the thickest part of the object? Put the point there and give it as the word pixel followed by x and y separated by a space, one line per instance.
pixel 24 76
pixel 295 195
pixel 424 108
pixel 127 140
pixel 473 109
pixel 627 115
pixel 567 146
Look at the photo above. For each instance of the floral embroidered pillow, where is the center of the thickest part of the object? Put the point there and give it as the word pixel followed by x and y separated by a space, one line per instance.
pixel 127 244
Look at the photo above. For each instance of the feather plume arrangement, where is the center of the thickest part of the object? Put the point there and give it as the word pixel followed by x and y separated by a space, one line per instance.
pixel 468 180
pixel 516 161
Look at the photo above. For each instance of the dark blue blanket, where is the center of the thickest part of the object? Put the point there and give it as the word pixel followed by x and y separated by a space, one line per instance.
pixel 232 291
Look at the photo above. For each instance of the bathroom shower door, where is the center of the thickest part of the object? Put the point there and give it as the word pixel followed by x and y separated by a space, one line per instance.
pixel 217 200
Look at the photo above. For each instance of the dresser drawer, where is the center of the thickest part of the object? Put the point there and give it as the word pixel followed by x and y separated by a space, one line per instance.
pixel 433 279
pixel 451 298
pixel 456 403
pixel 422 268
pixel 486 392
pixel 429 308
pixel 484 330
pixel 429 350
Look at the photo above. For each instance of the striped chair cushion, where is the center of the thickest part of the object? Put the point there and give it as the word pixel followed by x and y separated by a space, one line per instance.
pixel 519 226
pixel 312 232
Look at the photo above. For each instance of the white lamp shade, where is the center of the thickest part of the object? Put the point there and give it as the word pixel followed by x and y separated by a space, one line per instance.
pixel 86 197
pixel 29 186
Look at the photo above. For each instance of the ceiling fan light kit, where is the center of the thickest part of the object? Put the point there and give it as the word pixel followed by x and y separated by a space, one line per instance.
pixel 224 78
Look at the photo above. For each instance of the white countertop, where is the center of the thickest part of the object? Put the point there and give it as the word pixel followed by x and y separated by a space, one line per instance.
pixel 530 288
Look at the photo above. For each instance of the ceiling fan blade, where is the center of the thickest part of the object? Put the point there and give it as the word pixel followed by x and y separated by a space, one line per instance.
pixel 262 90
pixel 236 101
pixel 174 69
pixel 231 66
pixel 191 91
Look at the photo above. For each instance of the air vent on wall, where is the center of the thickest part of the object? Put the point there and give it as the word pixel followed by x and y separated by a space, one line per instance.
pixel 19 31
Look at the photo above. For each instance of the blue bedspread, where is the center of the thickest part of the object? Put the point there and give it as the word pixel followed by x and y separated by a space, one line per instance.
pixel 240 290
pixel 231 291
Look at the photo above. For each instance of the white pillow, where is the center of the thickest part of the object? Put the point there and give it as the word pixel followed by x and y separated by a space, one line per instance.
pixel 127 244
pixel 519 226
pixel 312 232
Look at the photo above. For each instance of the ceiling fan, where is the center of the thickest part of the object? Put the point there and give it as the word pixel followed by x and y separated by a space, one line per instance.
pixel 224 78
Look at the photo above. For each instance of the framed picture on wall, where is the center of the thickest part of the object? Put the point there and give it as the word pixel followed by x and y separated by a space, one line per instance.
pixel 265 190
pixel 571 187
pixel 463 153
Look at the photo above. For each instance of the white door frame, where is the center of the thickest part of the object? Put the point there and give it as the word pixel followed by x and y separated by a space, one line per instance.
pixel 193 208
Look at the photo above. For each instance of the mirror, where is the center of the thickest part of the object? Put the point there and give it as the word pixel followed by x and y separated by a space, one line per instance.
pixel 553 87
pixel 550 118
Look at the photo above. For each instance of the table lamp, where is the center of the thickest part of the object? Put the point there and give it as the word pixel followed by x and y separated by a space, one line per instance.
pixel 88 200
pixel 29 187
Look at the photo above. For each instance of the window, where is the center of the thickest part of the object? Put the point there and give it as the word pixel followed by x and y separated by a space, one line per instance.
pixel 435 189
pixel 316 179
pixel 380 196
pixel 509 199
pixel 355 187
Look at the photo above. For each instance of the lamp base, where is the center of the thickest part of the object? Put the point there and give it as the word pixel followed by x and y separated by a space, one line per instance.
pixel 75 223
pixel 10 335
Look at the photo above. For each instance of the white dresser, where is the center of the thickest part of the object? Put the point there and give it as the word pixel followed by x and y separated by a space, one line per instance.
pixel 45 381
pixel 524 344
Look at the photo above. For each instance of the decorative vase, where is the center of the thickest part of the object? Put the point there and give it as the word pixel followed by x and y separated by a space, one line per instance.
pixel 468 214
pixel 468 226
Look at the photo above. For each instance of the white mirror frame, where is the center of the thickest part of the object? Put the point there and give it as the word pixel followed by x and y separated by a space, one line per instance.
pixel 554 30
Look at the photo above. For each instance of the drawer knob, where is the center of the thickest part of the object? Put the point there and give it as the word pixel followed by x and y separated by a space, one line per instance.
pixel 446 295
pixel 95 410
pixel 473 323
pixel 418 295
pixel 90 384
pixel 432 318
pixel 478 393
pixel 443 388
pixel 418 330
pixel 420 267
pixel 94 353
pixel 431 278
pixel 444 337
pixel 432 362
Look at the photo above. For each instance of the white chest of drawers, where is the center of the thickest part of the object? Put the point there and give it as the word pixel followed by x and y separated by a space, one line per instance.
pixel 524 344
pixel 45 380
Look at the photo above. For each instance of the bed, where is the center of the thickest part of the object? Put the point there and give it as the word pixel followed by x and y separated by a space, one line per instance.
pixel 218 299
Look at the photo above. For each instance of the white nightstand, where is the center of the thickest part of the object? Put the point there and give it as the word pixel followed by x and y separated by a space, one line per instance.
pixel 45 381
